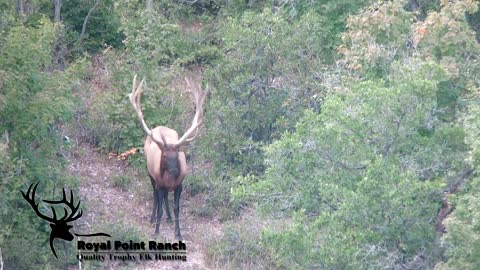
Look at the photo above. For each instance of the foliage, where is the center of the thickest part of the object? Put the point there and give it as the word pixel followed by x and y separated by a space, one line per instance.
pixel 240 248
pixel 262 85
pixel 447 38
pixel 122 181
pixel 111 117
pixel 368 227
pixel 34 104
pixel 270 73
pixel 102 28
pixel 152 41
pixel 358 162
pixel 376 37
pixel 462 240
pixel 346 123
pixel 332 174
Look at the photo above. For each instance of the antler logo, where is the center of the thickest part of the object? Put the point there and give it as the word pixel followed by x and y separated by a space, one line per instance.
pixel 60 228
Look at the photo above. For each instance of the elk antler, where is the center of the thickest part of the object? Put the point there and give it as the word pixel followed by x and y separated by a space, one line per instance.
pixel 199 96
pixel 135 98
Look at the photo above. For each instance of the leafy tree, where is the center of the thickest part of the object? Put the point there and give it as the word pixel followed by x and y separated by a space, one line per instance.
pixel 91 26
pixel 462 238
pixel 33 104
pixel 363 174
pixel 375 38
pixel 264 82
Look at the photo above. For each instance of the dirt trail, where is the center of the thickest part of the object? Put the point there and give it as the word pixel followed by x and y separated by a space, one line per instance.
pixel 112 204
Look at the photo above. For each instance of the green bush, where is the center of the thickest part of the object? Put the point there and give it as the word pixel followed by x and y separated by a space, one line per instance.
pixel 152 41
pixel 240 247
pixel 102 27
pixel 361 179
pixel 34 104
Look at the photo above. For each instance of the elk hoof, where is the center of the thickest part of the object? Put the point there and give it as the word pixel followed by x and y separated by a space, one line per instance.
pixel 169 219
pixel 179 237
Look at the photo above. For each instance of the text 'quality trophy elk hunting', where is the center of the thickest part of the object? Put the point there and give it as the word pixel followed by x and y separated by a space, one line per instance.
pixel 164 152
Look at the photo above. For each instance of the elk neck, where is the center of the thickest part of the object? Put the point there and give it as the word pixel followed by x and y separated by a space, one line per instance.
pixel 169 166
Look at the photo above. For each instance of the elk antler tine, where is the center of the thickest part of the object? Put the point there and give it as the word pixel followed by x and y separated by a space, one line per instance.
pixel 199 96
pixel 133 95
pixel 187 81
pixel 135 100
pixel 134 85
pixel 138 96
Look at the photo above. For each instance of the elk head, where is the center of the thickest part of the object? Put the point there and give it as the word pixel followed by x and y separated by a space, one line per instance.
pixel 60 227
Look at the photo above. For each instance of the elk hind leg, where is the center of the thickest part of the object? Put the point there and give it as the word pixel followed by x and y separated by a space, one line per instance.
pixel 167 208
pixel 160 195
pixel 155 203
pixel 176 211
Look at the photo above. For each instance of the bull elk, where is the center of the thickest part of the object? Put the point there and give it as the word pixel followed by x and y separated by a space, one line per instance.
pixel 165 155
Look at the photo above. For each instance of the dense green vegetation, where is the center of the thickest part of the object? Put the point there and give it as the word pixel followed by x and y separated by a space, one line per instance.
pixel 335 134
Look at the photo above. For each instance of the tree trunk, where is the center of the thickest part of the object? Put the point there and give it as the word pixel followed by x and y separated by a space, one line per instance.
pixel 58 8
pixel 148 5
pixel 84 26
pixel 413 4
pixel 21 7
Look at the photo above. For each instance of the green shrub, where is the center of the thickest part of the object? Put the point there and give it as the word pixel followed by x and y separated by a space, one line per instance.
pixel 102 27
pixel 240 247
pixel 360 198
pixel 34 104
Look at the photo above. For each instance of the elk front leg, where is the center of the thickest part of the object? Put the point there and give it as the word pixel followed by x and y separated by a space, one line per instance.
pixel 176 211
pixel 152 219
pixel 160 195
pixel 167 208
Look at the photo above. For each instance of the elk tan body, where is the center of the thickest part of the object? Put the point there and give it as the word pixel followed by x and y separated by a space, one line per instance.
pixel 165 156
pixel 153 155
